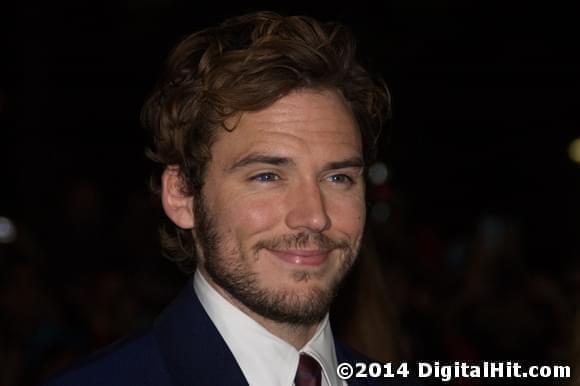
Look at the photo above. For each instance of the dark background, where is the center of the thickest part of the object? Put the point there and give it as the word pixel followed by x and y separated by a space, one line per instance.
pixel 480 247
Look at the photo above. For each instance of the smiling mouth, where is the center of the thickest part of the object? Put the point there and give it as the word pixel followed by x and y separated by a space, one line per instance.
pixel 302 257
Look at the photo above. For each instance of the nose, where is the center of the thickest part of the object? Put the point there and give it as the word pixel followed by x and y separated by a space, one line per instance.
pixel 307 209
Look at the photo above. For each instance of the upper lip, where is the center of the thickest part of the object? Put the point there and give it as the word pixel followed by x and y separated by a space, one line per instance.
pixel 301 252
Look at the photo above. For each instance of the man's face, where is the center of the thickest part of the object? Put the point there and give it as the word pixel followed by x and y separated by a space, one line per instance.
pixel 281 214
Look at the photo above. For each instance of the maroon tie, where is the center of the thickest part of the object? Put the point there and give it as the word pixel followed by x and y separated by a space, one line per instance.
pixel 308 373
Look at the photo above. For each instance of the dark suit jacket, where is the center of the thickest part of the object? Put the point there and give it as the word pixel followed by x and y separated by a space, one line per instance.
pixel 183 348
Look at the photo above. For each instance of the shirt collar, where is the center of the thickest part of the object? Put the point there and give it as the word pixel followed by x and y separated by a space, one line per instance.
pixel 264 358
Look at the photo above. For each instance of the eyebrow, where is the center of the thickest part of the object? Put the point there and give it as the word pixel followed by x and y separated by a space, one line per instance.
pixel 355 162
pixel 254 158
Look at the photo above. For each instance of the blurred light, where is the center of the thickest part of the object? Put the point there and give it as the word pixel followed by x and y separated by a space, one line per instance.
pixel 378 173
pixel 574 150
pixel 7 231
pixel 380 212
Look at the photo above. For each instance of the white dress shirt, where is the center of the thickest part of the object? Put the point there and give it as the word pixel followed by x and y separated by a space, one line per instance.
pixel 265 359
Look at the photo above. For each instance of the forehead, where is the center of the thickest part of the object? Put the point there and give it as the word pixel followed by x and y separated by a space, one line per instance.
pixel 300 122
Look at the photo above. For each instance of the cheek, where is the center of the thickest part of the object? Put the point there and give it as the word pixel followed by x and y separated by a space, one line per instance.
pixel 348 217
pixel 246 218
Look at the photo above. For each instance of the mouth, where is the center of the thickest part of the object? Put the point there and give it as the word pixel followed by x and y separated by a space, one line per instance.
pixel 302 257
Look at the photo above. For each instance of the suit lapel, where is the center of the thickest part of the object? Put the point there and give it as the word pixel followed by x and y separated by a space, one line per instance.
pixel 193 350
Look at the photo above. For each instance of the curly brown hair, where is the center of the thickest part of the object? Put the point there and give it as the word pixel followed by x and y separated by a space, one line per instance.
pixel 246 64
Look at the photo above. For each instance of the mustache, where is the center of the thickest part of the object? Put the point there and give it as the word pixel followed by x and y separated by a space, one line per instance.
pixel 302 241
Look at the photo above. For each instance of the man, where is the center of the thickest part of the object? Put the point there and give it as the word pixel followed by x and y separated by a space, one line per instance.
pixel 262 127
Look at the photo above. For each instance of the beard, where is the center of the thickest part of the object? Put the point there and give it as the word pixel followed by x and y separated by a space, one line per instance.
pixel 279 305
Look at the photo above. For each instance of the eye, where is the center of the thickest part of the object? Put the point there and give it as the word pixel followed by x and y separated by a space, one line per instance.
pixel 341 179
pixel 265 177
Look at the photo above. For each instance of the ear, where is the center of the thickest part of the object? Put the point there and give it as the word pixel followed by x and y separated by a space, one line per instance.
pixel 178 206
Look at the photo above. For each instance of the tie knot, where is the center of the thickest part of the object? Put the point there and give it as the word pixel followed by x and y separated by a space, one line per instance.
pixel 309 372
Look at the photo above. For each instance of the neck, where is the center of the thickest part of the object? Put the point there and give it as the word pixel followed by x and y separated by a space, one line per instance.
pixel 295 334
